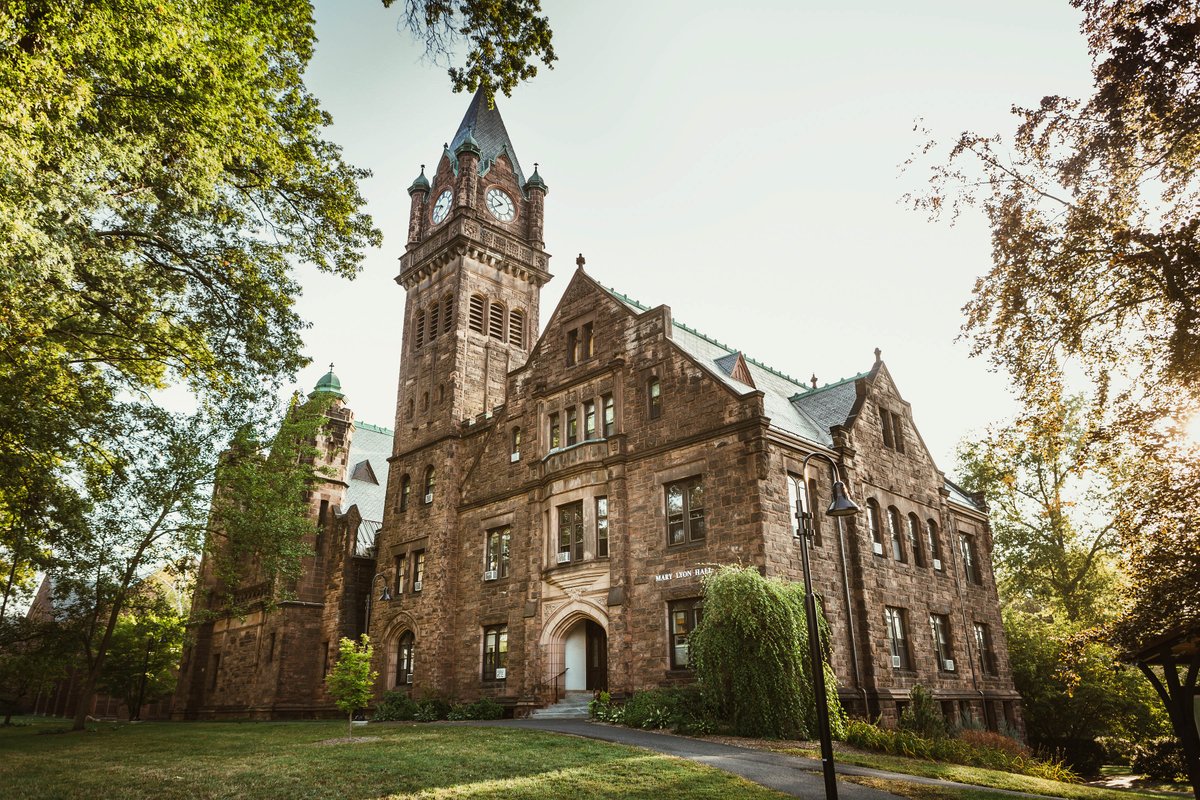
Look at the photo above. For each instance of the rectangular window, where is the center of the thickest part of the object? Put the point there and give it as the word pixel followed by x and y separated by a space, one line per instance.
pixel 914 540
pixel 515 450
pixel 897 640
pixel 587 347
pixel 874 524
pixel 970 563
pixel 572 346
pixel 495 652
pixel 589 419
pixel 685 616
pixel 601 527
pixel 610 416
pixel 885 421
pixel 418 570
pixel 570 532
pixel 572 426
pixel 935 547
pixel 685 511
pixel 654 392
pixel 555 436
pixel 898 432
pixel 939 627
pixel 983 643
pixel 498 542
pixel 897 533
pixel 398 564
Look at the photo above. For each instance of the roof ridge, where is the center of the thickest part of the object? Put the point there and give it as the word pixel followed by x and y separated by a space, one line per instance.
pixel 376 428
pixel 831 385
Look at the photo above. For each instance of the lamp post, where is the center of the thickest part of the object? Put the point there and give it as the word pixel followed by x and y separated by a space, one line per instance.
pixel 839 506
pixel 384 595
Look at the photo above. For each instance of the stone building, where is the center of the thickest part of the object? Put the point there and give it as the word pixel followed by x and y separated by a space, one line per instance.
pixel 553 500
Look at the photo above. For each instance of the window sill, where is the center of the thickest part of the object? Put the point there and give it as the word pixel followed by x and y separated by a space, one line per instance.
pixel 695 544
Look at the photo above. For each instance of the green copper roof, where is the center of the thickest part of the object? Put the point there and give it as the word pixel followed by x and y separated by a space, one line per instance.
pixel 467 145
pixel 329 384
pixel 421 184
pixel 536 181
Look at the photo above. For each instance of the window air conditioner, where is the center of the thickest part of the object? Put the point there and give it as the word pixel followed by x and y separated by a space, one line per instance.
pixel 416 586
pixel 490 575
pixel 878 547
pixel 515 457
pixel 429 497
pixel 896 662
pixel 948 665
pixel 408 678
pixel 501 673
pixel 564 558
pixel 937 563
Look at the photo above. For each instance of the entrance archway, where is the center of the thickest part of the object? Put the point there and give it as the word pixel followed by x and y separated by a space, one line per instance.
pixel 577 648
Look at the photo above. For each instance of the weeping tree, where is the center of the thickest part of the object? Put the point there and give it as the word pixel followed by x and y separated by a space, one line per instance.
pixel 750 653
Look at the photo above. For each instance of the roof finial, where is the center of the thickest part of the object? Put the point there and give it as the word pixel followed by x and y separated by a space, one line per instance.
pixel 814 380
pixel 878 355
pixel 579 262
pixel 331 366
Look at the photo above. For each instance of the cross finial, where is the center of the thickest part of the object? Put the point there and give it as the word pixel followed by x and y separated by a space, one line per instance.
pixel 814 380
pixel 331 366
pixel 579 262
pixel 878 355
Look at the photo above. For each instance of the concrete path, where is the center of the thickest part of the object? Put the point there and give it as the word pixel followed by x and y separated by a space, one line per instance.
pixel 794 775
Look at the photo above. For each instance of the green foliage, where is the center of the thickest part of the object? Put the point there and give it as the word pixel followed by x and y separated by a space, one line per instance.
pixel 503 37
pixel 483 708
pixel 974 751
pixel 923 716
pixel 33 655
pixel 143 654
pixel 350 680
pixel 750 654
pixel 1051 502
pixel 1073 686
pixel 603 709
pixel 1161 759
pixel 395 706
pixel 432 709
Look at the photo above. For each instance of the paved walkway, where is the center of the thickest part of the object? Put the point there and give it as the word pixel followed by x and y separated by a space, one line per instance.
pixel 794 775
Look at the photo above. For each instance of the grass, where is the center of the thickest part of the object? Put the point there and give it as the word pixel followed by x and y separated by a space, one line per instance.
pixel 202 761
pixel 976 776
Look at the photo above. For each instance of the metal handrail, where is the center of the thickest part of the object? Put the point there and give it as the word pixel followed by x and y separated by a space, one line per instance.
pixel 556 677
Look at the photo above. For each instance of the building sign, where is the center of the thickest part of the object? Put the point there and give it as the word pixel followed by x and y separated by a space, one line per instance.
pixel 696 572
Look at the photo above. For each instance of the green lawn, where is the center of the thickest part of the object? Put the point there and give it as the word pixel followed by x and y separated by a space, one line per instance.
pixel 976 776
pixel 196 761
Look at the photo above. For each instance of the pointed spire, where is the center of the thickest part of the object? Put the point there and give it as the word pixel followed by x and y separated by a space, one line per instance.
pixel 535 181
pixel 421 184
pixel 483 125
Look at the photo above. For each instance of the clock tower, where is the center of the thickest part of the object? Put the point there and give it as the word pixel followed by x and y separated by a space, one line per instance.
pixel 473 271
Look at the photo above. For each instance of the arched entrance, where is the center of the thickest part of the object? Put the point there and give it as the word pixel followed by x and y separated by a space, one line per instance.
pixel 577 647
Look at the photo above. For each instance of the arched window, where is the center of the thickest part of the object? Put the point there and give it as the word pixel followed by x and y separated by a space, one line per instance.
pixel 404 659
pixel 410 408
pixel 430 483
pixel 914 540
pixel 447 313
pixel 419 330
pixel 516 327
pixel 516 445
pixel 405 491
pixel 425 401
pixel 434 314
pixel 874 525
pixel 897 533
pixel 496 321
pixel 935 545
pixel 476 313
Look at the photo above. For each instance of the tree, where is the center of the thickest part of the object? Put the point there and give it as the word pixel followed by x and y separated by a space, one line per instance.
pixel 503 38
pixel 1052 508
pixel 34 653
pixel 163 170
pixel 143 655
pixel 351 679
pixel 1093 210
pixel 750 653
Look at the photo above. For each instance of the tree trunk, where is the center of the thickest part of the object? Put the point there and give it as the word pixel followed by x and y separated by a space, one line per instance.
pixel 350 726
pixel 1177 696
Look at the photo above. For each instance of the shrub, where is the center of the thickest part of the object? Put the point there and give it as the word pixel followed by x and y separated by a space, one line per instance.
pixel 603 708
pixel 682 709
pixel 995 741
pixel 457 712
pixel 484 708
pixel 395 706
pixel 1084 756
pixel 978 753
pixel 649 709
pixel 923 716
pixel 1161 759
pixel 431 709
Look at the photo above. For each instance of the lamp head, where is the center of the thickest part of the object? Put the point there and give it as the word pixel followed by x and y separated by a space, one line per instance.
pixel 841 505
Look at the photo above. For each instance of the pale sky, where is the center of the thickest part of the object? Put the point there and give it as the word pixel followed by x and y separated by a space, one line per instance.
pixel 740 163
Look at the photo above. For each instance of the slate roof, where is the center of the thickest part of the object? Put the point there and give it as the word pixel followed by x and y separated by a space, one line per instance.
pixel 372 444
pixel 487 127
pixel 793 406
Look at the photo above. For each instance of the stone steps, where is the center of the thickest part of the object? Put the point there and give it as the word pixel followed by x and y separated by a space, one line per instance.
pixel 574 705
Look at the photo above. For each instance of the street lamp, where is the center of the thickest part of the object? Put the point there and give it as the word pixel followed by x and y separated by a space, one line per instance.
pixel 384 595
pixel 840 506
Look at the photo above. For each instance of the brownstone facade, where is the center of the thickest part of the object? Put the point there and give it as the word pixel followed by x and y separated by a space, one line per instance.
pixel 553 501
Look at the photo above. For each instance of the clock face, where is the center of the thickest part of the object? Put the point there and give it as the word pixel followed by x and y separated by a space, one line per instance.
pixel 442 207
pixel 501 205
